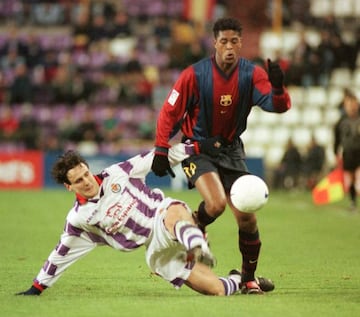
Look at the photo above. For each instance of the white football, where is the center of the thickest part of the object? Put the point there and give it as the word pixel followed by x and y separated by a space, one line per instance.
pixel 249 193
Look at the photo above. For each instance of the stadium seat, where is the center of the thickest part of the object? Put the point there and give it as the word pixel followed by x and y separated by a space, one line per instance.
pixel 297 95
pixel 320 8
pixel 253 150
pixel 335 96
pixel 270 42
pixel 269 118
pixel 340 77
pixel 343 8
pixel 311 115
pixel 356 78
pixel 262 135
pixel 291 117
pixel 280 136
pixel 246 137
pixel 254 118
pixel 301 136
pixel 324 135
pixel 331 116
pixel 357 8
pixel 315 96
pixel 274 155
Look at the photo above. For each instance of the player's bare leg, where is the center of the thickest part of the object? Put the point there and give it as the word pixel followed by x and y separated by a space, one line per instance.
pixel 203 280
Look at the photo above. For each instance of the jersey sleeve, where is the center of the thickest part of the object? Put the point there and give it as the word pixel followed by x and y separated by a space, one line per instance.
pixel 140 165
pixel 182 94
pixel 265 96
pixel 70 249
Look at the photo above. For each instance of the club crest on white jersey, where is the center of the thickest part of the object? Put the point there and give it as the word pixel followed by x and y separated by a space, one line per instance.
pixel 115 188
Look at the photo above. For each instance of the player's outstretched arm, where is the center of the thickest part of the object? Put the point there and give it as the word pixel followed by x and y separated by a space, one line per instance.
pixel 161 164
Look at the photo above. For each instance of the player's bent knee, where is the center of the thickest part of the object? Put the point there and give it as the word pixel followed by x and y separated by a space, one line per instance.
pixel 215 207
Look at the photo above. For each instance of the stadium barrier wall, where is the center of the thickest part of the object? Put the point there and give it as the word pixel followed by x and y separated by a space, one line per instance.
pixel 31 170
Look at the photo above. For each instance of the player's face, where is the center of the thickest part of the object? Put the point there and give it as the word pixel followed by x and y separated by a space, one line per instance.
pixel 227 46
pixel 82 181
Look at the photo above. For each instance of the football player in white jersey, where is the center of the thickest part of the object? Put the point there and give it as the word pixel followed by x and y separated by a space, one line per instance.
pixel 116 208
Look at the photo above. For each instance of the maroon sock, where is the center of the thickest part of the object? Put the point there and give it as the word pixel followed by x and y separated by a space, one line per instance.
pixel 204 218
pixel 249 246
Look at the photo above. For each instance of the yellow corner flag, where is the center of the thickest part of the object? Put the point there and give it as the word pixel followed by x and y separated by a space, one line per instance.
pixel 330 188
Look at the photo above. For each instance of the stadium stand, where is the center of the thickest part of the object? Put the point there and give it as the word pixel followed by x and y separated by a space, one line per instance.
pixel 73 68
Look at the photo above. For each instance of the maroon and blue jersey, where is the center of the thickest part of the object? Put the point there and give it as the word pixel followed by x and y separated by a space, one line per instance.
pixel 205 102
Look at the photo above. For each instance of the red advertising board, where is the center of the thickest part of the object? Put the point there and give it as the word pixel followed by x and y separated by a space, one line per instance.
pixel 22 170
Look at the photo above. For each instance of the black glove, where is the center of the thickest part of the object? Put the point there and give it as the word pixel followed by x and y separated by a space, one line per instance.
pixel 161 165
pixel 211 146
pixel 31 291
pixel 276 75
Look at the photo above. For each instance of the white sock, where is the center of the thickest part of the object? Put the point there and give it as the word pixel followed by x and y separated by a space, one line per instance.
pixel 189 235
pixel 231 284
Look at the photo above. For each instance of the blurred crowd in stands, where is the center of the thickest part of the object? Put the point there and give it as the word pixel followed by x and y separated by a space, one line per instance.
pixel 81 58
pixel 310 65
pixel 94 73
pixel 300 170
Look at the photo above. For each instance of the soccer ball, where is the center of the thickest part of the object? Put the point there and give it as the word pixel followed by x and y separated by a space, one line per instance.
pixel 249 193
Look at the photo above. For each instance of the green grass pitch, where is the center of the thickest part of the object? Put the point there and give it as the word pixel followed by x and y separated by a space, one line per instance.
pixel 312 253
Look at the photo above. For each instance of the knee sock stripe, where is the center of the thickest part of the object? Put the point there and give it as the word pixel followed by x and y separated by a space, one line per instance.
pixel 188 235
pixel 230 285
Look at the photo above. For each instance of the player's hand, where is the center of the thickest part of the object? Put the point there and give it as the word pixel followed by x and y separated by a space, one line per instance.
pixel 276 75
pixel 31 291
pixel 211 146
pixel 161 165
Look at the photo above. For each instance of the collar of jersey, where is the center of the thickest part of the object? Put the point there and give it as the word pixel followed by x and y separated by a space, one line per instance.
pixel 82 200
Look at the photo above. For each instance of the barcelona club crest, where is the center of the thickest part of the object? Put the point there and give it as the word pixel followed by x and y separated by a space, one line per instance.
pixel 225 100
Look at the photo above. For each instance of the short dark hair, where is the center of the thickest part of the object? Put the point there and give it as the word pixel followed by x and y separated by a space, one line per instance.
pixel 223 24
pixel 66 162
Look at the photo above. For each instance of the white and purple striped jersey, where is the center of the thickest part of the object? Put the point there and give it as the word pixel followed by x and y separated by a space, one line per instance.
pixel 120 216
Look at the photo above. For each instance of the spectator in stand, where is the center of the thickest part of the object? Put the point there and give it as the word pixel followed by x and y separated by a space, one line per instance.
pixel 29 128
pixel 314 161
pixel 329 24
pixel 194 52
pixel 299 12
pixel 105 8
pixel 326 56
pixel 9 62
pixel 88 135
pixel 34 52
pixel 357 44
pixel 343 53
pixel 51 65
pixel 9 125
pixel 120 26
pixel 286 176
pixel 21 89
pixel 99 29
pixel 112 66
pixel 295 72
pixel 88 128
pixel 81 29
pixel 111 127
pixel 13 43
pixel 313 69
pixel 299 70
pixel 71 87
pixel 162 31
pixel 48 14
pixel 66 127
